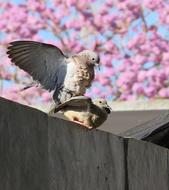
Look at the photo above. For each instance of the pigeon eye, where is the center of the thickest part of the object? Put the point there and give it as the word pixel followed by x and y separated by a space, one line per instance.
pixel 93 58
pixel 100 102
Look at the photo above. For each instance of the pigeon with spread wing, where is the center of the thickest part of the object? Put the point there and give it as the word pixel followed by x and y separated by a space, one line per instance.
pixel 47 64
pixel 80 109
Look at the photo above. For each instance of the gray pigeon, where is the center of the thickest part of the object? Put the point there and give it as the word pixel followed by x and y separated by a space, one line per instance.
pixel 46 63
pixel 83 110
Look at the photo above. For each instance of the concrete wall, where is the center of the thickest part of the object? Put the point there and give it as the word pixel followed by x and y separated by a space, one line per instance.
pixel 38 152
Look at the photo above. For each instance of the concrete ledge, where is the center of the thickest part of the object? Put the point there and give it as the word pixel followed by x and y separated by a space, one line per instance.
pixel 38 152
pixel 154 104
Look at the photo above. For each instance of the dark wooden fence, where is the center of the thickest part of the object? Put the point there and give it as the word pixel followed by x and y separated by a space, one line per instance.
pixel 38 152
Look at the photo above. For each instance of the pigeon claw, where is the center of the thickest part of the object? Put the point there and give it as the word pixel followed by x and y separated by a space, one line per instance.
pixel 81 123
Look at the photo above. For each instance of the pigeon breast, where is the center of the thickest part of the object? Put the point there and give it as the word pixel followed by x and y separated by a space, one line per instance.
pixel 78 77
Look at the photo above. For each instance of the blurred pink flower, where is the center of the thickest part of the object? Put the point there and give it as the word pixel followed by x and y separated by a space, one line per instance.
pixel 109 46
pixel 162 75
pixel 120 81
pixel 125 87
pixel 46 96
pixel 131 97
pixel 138 88
pixel 151 4
pixel 153 72
pixel 129 76
pixel 165 58
pixel 96 90
pixel 166 71
pixel 137 41
pixel 104 81
pixel 121 68
pixel 109 72
pixel 106 60
pixel 156 50
pixel 107 27
pixel 150 91
pixel 139 59
pixel 164 93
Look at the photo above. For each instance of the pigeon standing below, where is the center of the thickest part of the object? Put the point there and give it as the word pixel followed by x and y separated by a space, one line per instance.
pixel 67 76
pixel 83 110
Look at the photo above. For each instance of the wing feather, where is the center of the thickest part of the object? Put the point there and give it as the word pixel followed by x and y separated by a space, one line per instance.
pixel 77 101
pixel 44 62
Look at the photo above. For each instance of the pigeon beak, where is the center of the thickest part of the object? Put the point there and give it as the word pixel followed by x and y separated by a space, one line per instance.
pixel 108 109
pixel 97 64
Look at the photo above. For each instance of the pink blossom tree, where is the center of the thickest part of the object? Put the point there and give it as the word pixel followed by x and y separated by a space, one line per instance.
pixel 130 36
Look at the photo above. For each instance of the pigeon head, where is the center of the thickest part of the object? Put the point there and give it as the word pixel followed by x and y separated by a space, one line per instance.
pixel 91 57
pixel 102 103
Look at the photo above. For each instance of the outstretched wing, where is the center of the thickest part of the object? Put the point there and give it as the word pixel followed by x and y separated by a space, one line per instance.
pixel 77 101
pixel 44 62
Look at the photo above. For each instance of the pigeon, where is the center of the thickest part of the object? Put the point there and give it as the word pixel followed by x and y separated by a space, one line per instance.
pixel 66 76
pixel 85 111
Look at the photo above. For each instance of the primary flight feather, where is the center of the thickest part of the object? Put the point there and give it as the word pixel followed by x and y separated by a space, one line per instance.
pixel 47 64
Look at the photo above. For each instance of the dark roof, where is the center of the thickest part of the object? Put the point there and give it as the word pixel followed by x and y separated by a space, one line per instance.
pixel 121 121
pixel 152 126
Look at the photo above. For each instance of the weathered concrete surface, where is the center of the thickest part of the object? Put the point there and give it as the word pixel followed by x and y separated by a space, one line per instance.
pixel 38 152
